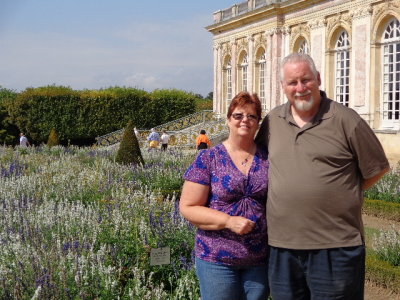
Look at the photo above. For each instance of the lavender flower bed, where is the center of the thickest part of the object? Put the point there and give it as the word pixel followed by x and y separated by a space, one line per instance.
pixel 76 225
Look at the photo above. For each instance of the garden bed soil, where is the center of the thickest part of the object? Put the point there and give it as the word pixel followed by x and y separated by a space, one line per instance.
pixel 374 292
pixel 379 223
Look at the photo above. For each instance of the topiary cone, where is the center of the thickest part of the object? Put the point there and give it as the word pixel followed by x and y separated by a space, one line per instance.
pixel 53 138
pixel 129 150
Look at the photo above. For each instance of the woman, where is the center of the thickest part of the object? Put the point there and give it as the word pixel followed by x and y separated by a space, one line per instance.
pixel 224 195
pixel 202 141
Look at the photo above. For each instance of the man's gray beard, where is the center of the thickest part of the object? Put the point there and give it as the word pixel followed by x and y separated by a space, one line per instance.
pixel 302 105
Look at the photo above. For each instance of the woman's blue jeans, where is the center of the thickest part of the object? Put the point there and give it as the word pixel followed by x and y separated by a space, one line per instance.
pixel 221 282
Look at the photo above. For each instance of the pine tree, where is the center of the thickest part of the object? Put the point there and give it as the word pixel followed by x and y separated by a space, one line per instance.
pixel 129 150
pixel 53 138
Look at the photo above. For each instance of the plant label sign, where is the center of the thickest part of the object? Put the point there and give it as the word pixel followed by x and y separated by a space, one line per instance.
pixel 160 256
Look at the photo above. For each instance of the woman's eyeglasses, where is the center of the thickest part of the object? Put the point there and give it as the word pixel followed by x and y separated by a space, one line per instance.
pixel 240 116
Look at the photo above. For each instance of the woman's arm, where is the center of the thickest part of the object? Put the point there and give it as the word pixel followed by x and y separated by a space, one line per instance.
pixel 192 206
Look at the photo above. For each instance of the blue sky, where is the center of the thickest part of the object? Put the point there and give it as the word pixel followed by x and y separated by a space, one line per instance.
pixel 101 43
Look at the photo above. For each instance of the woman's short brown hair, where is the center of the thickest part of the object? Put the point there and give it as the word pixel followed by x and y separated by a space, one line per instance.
pixel 242 99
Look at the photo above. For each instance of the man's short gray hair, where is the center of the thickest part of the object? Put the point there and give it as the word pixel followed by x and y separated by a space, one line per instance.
pixel 296 58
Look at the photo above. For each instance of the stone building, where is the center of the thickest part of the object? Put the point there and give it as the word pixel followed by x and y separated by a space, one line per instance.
pixel 354 43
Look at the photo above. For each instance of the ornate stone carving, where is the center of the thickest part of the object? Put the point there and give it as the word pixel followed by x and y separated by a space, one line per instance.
pixel 278 30
pixel 361 12
pixel 249 39
pixel 259 40
pixel 318 23
pixel 341 18
pixel 301 29
pixel 297 31
pixel 384 8
pixel 286 30
pixel 242 43
pixel 217 46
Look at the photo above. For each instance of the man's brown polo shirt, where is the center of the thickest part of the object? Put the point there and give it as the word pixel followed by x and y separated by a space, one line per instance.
pixel 316 172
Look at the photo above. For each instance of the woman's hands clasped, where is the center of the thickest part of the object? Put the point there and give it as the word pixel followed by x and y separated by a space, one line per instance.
pixel 240 225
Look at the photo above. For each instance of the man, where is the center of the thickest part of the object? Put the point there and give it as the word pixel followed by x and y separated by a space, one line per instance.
pixel 164 141
pixel 322 156
pixel 23 141
pixel 153 138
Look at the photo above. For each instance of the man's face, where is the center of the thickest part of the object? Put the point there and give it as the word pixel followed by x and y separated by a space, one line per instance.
pixel 301 86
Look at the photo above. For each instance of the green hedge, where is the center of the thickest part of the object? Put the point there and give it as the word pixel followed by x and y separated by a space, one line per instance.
pixel 382 273
pixel 382 209
pixel 84 115
pixel 9 133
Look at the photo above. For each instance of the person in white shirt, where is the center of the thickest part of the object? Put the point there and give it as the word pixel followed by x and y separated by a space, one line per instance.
pixel 23 141
pixel 164 141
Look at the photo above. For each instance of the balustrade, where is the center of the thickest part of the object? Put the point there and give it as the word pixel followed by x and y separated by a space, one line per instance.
pixel 183 132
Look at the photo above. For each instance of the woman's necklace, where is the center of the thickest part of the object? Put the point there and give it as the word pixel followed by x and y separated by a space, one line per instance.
pixel 246 160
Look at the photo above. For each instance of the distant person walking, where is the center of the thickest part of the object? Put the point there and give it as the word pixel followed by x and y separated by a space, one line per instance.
pixel 202 141
pixel 153 138
pixel 164 140
pixel 23 141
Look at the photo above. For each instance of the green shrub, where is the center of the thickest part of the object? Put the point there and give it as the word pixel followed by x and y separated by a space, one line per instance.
pixel 8 131
pixel 204 104
pixel 80 116
pixel 37 110
pixel 382 209
pixel 53 138
pixel 382 273
pixel 129 150
pixel 168 105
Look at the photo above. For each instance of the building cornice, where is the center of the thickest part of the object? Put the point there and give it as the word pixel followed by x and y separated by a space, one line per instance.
pixel 262 13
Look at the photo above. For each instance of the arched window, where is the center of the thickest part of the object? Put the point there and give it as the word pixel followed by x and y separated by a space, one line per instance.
pixel 261 79
pixel 342 70
pixel 391 72
pixel 244 67
pixel 303 48
pixel 228 80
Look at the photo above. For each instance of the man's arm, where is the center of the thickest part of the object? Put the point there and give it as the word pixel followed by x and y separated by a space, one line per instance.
pixel 367 183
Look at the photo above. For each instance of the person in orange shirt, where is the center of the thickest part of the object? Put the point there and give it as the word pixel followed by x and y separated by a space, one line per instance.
pixel 202 141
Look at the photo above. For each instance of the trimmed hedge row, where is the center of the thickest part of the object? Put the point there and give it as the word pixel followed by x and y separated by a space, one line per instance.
pixel 9 133
pixel 382 273
pixel 382 209
pixel 84 115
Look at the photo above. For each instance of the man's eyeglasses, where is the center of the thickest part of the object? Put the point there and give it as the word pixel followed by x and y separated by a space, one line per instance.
pixel 239 116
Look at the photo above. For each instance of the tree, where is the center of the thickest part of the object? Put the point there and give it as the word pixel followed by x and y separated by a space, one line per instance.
pixel 129 150
pixel 53 138
pixel 210 95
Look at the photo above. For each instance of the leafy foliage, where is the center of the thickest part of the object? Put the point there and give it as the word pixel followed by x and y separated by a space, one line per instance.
pixel 80 116
pixel 129 150
pixel 8 131
pixel 168 105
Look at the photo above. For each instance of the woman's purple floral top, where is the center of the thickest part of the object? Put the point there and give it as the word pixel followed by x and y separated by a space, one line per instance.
pixel 236 194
